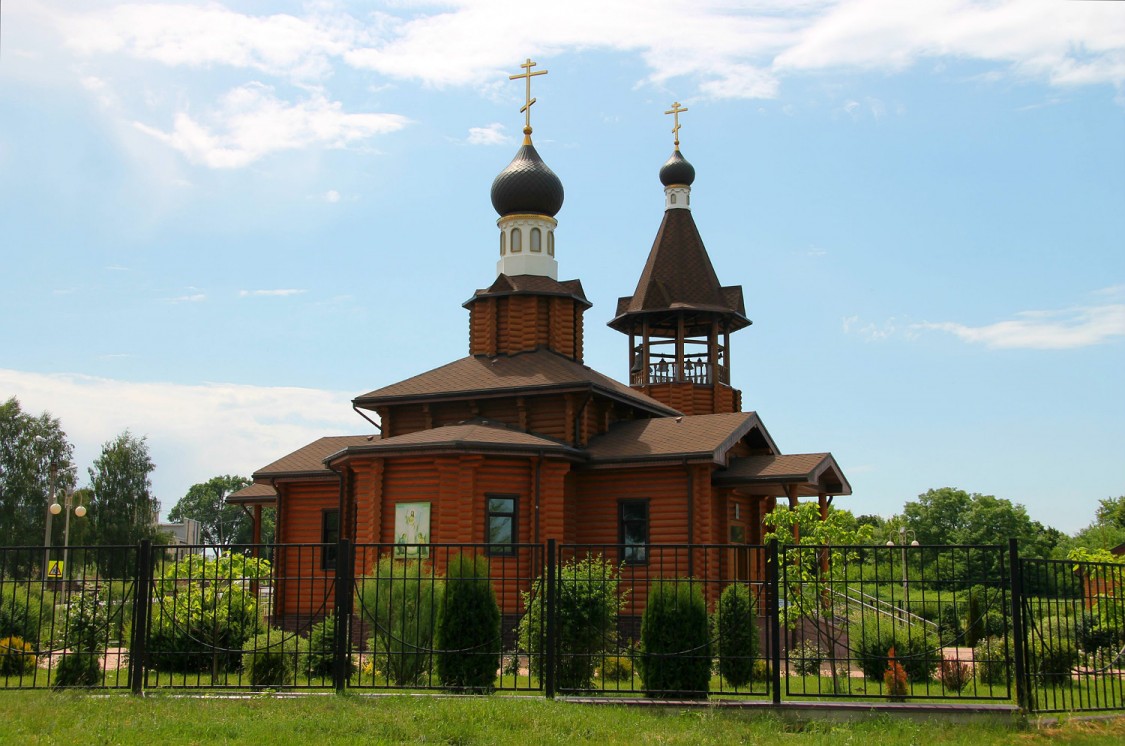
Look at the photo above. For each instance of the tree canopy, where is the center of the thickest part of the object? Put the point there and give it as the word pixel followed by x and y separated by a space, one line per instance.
pixel 122 509
pixel 219 523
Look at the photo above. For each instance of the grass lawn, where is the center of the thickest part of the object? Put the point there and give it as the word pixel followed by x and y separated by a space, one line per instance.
pixel 43 717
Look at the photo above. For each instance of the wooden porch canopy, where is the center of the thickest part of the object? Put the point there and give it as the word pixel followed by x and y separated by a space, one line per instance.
pixel 797 475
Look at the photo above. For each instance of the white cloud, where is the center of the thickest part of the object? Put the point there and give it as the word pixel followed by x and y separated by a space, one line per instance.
pixel 252 123
pixel 493 134
pixel 190 298
pixel 870 331
pixel 194 432
pixel 331 196
pixel 280 292
pixel 1044 330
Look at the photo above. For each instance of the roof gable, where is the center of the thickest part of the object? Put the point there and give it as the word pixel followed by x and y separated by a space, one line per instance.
pixel 705 436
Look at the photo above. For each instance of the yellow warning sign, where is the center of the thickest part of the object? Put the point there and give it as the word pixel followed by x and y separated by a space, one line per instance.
pixel 55 569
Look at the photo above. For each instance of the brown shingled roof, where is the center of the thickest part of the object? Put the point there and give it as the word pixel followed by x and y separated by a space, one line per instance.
pixel 480 376
pixel 470 436
pixel 308 461
pixel 819 472
pixel 679 275
pixel 253 494
pixel 707 436
pixel 532 285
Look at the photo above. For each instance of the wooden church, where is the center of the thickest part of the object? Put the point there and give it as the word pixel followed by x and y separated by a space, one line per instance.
pixel 520 442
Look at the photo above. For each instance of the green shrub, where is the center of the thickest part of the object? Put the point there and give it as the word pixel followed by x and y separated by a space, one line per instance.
pixel 16 656
pixel 991 660
pixel 81 668
pixel 974 622
pixel 617 668
pixel 401 601
pixel 761 671
pixel 269 659
pixel 917 651
pixel 203 613
pixel 1052 652
pixel 468 629
pixel 736 635
pixel 806 658
pixel 675 641
pixel 319 660
pixel 85 624
pixel 586 614
pixel 949 628
pixel 955 675
pixel 23 612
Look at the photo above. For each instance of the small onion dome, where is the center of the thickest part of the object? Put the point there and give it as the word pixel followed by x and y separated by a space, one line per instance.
pixel 676 170
pixel 527 185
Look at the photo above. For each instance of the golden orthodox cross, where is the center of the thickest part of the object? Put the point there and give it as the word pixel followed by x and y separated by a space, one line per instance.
pixel 675 112
pixel 526 109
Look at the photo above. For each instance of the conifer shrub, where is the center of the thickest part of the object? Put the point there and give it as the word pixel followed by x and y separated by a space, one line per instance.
pixel 991 660
pixel 736 635
pixel 675 641
pixel 468 628
pixel 269 659
pixel 83 635
pixel 587 607
pixel 949 628
pixel 401 600
pixel 974 622
pixel 80 668
pixel 16 656
pixel 319 660
pixel 894 678
pixel 918 652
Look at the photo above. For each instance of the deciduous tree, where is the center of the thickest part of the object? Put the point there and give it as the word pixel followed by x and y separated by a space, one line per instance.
pixel 122 509
pixel 219 523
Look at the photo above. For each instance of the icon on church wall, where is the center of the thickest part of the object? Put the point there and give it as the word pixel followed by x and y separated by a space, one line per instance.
pixel 412 527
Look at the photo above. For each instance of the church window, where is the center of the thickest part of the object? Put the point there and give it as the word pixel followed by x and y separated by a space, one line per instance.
pixel 329 535
pixel 673 196
pixel 502 525
pixel 503 242
pixel 536 240
pixel 517 240
pixel 633 530
pixel 550 243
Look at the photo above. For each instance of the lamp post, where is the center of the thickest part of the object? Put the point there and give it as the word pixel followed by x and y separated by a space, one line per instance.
pixel 79 510
pixel 902 532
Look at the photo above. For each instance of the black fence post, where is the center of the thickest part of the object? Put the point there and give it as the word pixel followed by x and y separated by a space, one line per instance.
pixel 345 567
pixel 1019 643
pixel 551 609
pixel 773 600
pixel 142 601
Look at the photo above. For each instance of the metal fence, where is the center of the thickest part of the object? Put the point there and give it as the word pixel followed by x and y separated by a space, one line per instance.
pixel 891 623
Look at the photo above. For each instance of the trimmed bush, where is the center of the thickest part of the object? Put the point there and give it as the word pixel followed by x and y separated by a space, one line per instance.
pixel 918 652
pixel 401 600
pixel 894 678
pixel 974 622
pixel 269 659
pixel 16 656
pixel 1052 650
pixel 989 661
pixel 468 629
pixel 736 635
pixel 675 644
pixel 587 608
pixel 80 668
pixel 617 668
pixel 806 658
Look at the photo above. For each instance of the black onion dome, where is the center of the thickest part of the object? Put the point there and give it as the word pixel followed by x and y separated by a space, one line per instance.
pixel 677 170
pixel 527 185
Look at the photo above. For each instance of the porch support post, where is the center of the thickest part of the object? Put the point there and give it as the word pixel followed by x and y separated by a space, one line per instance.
pixel 791 490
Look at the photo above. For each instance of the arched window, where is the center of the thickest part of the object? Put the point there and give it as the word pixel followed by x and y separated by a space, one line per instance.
pixel 689 200
pixel 517 241
pixel 503 242
pixel 673 196
pixel 550 243
pixel 536 240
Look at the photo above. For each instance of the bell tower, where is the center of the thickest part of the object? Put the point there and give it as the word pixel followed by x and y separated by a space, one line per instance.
pixel 680 318
pixel 527 308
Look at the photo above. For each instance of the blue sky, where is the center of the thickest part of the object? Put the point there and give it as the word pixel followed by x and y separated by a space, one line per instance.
pixel 223 220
